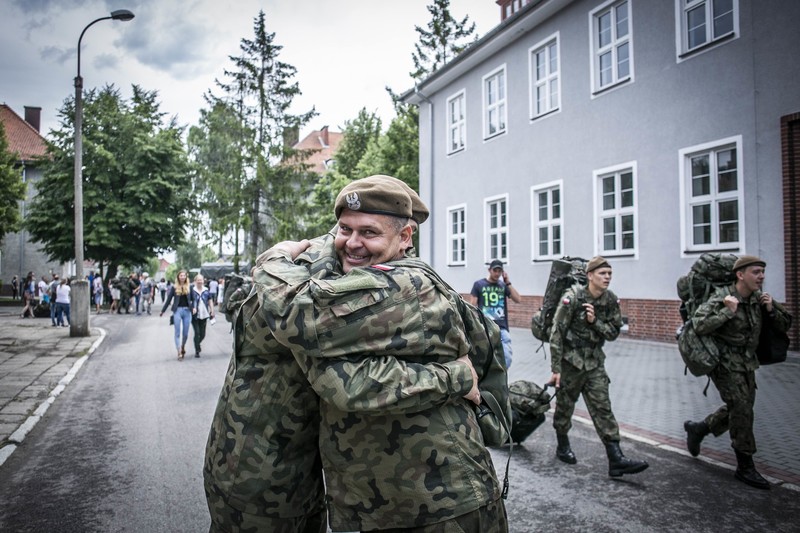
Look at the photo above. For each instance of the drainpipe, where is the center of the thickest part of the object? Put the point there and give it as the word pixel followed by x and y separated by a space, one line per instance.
pixel 432 215
pixel 22 230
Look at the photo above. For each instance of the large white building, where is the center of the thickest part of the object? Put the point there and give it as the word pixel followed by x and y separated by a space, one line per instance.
pixel 646 131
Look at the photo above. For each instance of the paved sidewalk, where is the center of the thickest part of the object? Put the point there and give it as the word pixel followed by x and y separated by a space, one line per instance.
pixel 652 397
pixel 37 361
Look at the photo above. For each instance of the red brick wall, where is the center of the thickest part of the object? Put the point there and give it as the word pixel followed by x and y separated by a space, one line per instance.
pixel 790 155
pixel 647 319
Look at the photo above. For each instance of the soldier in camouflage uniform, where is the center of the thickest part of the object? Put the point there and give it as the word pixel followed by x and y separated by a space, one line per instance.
pixel 585 319
pixel 418 388
pixel 732 317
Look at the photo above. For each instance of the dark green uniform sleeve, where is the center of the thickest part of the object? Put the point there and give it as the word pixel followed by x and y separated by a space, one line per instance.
pixel 711 315
pixel 561 321
pixel 608 317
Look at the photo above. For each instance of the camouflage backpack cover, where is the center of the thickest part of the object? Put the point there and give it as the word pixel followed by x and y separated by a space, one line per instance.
pixel 237 288
pixel 564 273
pixel 710 271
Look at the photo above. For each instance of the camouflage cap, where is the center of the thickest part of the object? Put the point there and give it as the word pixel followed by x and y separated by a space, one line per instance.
pixel 595 263
pixel 381 195
pixel 748 260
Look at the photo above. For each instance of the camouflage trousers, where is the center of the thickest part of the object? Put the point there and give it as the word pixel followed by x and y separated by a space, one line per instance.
pixel 593 384
pixel 738 391
pixel 491 518
pixel 233 521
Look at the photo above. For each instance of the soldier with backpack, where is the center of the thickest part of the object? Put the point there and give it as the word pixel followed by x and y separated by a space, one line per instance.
pixel 587 317
pixel 733 317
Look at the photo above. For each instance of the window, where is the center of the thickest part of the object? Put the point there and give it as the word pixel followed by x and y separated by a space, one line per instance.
pixel 616 196
pixel 547 237
pixel 457 235
pixel 497 228
pixel 705 21
pixel 494 103
pixel 456 123
pixel 545 82
pixel 712 194
pixel 612 46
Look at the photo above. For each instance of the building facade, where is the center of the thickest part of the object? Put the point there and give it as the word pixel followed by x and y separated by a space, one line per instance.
pixel 646 132
pixel 18 255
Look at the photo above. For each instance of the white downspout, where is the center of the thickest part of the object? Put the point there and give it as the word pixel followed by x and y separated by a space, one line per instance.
pixel 431 204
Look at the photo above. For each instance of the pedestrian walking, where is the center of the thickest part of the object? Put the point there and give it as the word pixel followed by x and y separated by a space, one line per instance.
pixel 97 292
pixel 113 289
pixel 180 296
pixel 585 319
pixel 490 295
pixel 63 303
pixel 53 291
pixel 733 318
pixel 213 286
pixel 135 287
pixel 202 310
pixel 14 288
pixel 146 290
pixel 162 289
pixel 28 295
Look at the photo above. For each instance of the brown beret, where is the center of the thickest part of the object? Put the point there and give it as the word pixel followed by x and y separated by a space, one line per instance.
pixel 595 263
pixel 382 195
pixel 748 260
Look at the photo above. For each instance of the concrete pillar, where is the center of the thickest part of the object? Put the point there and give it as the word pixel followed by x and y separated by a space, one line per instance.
pixel 79 308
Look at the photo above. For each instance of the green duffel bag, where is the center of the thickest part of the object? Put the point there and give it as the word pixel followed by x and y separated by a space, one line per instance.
pixel 700 353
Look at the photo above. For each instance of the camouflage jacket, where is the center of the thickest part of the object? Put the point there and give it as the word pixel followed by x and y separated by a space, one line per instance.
pixel 576 341
pixel 736 334
pixel 262 457
pixel 400 446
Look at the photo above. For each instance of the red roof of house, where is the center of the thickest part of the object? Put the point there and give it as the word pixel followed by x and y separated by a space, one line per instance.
pixel 325 143
pixel 23 139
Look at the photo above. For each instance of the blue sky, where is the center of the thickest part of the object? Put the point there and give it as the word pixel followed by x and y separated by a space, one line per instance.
pixel 345 51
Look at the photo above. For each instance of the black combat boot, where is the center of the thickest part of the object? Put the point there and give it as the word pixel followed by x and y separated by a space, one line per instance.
pixel 618 464
pixel 564 452
pixel 747 473
pixel 695 432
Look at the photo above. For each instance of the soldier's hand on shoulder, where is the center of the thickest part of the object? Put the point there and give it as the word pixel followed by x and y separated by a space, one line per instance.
pixel 589 308
pixel 293 248
pixel 766 301
pixel 731 303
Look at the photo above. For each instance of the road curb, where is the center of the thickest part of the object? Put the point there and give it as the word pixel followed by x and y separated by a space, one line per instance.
pixel 18 436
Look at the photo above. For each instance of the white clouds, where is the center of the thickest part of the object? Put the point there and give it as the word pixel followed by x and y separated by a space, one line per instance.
pixel 345 52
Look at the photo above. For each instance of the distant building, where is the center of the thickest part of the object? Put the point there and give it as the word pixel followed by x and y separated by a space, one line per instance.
pixel 324 143
pixel 18 255
pixel 648 132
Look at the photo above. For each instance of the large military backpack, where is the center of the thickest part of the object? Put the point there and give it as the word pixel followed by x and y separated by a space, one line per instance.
pixel 710 271
pixel 564 273
pixel 237 288
pixel 529 403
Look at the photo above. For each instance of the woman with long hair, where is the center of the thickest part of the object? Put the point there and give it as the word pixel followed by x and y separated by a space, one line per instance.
pixel 62 302
pixel 202 310
pixel 180 296
pixel 97 292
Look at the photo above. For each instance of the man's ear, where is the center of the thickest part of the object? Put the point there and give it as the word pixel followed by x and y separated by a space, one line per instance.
pixel 405 236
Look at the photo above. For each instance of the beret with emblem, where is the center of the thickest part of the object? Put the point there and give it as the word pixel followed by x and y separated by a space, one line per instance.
pixel 595 263
pixel 381 195
pixel 748 260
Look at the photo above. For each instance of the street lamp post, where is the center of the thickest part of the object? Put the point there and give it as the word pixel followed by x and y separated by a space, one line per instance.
pixel 80 296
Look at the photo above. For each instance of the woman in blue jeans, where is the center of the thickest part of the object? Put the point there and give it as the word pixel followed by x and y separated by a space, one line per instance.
pixel 180 296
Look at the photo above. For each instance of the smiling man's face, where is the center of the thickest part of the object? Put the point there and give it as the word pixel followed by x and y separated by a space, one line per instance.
pixel 364 239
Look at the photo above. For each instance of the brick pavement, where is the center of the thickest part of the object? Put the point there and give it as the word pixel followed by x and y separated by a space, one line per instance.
pixel 652 397
pixel 37 361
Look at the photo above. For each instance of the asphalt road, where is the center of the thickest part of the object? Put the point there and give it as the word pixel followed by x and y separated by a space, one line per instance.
pixel 122 449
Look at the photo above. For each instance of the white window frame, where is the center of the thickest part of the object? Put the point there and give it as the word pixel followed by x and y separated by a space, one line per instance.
pixel 714 198
pixel 500 105
pixel 453 236
pixel 682 8
pixel 502 231
pixel 458 126
pixel 617 212
pixel 549 78
pixel 549 223
pixel 613 47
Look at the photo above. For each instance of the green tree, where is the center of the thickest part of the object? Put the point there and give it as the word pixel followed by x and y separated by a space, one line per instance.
pixel 220 182
pixel 136 183
pixel 279 184
pixel 12 186
pixel 357 135
pixel 444 39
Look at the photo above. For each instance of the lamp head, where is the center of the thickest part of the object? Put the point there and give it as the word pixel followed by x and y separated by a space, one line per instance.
pixel 122 14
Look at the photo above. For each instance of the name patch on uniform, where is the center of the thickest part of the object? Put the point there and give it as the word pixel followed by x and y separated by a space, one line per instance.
pixel 385 268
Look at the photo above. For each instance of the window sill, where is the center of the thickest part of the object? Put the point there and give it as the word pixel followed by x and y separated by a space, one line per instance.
pixel 712 251
pixel 494 135
pixel 545 114
pixel 455 152
pixel 611 86
pixel 709 44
